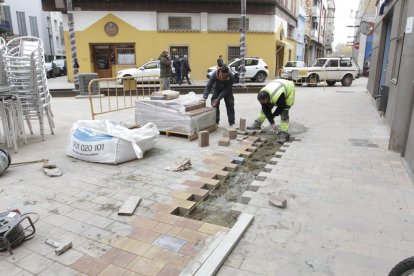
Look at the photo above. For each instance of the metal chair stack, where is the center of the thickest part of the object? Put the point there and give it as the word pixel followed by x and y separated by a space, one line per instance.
pixel 26 76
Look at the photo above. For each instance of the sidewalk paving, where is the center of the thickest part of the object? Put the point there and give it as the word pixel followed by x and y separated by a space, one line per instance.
pixel 349 208
pixel 350 200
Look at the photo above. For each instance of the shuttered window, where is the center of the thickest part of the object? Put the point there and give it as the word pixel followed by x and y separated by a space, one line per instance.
pixel 7 17
pixel 34 30
pixel 21 23
pixel 176 22
pixel 233 24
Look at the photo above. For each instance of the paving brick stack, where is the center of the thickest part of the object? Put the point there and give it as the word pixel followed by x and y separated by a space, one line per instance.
pixel 203 138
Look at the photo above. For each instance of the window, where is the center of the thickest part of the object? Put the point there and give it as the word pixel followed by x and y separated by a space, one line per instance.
pixel 33 26
pixel 7 17
pixel 61 34
pixel 290 31
pixel 333 63
pixel 179 51
pixel 234 24
pixel 233 52
pixel 21 23
pixel 345 63
pixel 251 62
pixel 56 25
pixel 125 54
pixel 175 22
pixel 151 65
pixel 314 25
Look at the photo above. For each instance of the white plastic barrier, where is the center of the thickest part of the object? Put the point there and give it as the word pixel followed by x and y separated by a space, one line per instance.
pixel 109 142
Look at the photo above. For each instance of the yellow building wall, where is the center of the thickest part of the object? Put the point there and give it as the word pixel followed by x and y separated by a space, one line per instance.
pixel 203 47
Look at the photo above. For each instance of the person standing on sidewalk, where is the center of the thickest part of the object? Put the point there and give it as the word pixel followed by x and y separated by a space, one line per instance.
pixel 165 70
pixel 185 69
pixel 220 61
pixel 279 93
pixel 222 84
pixel 177 68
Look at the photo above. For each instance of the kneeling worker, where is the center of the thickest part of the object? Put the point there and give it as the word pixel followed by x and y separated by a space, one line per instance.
pixel 279 93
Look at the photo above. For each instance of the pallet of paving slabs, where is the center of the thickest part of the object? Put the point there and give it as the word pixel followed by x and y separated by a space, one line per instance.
pixel 188 136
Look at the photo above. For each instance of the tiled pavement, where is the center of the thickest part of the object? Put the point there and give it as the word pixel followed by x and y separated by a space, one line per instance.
pixel 350 200
pixel 348 211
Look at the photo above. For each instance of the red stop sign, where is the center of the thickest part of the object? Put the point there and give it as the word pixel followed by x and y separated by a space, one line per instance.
pixel 356 45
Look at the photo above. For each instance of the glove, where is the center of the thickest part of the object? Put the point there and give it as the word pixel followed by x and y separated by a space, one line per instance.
pixel 203 101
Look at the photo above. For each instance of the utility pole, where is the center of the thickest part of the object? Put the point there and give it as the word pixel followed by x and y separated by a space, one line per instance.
pixel 72 40
pixel 242 42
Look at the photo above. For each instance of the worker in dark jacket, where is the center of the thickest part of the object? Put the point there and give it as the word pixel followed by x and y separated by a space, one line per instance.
pixel 177 68
pixel 165 70
pixel 222 83
pixel 185 69
pixel 280 94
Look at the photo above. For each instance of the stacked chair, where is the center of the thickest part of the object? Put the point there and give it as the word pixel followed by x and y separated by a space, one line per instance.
pixel 26 78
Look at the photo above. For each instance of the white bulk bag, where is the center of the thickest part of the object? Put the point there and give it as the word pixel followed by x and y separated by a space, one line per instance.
pixel 109 142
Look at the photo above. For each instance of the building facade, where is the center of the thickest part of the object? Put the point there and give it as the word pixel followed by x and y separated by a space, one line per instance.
pixel 113 35
pixel 391 72
pixel 364 32
pixel 26 18
pixel 330 27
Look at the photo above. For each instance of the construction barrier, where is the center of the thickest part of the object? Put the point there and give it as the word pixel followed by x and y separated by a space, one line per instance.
pixel 117 94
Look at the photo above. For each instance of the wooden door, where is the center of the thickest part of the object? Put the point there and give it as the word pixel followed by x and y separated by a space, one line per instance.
pixel 102 61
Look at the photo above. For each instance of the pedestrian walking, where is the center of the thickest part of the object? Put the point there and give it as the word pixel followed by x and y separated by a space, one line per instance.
pixel 177 68
pixel 222 84
pixel 220 61
pixel 280 94
pixel 185 69
pixel 165 70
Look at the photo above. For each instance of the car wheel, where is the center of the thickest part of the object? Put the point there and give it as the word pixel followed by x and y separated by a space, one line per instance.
pixel 312 80
pixel 261 77
pixel 347 80
pixel 331 83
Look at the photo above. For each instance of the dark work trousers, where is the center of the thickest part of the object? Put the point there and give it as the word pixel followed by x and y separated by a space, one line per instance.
pixel 184 76
pixel 177 76
pixel 229 101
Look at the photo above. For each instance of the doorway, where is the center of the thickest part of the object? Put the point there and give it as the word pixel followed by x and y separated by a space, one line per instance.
pixel 102 60
pixel 279 59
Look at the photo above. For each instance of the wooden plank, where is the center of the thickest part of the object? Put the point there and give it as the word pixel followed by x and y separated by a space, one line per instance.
pixel 185 135
pixel 128 208
pixel 213 263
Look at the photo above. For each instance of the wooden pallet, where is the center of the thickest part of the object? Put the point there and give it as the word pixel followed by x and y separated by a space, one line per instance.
pixel 185 135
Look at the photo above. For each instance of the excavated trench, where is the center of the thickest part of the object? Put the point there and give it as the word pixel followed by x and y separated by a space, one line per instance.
pixel 216 208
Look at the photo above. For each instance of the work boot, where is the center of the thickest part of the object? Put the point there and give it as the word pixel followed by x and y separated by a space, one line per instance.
pixel 257 125
pixel 282 137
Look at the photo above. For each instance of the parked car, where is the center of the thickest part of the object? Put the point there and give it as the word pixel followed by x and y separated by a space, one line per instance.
pixel 329 70
pixel 59 69
pixel 149 71
pixel 256 68
pixel 287 70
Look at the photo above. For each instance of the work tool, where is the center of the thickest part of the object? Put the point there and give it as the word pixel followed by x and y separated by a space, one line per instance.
pixel 60 247
pixel 12 232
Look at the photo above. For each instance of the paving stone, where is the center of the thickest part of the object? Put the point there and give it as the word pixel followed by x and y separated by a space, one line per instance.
pixel 146 266
pixel 112 270
pixel 212 229
pixel 203 138
pixel 144 235
pixel 58 269
pixel 89 265
pixel 118 257
pixel 169 243
pixel 224 142
pixel 192 236
pixel 34 263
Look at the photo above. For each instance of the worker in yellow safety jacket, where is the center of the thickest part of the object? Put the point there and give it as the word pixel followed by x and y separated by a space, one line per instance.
pixel 279 93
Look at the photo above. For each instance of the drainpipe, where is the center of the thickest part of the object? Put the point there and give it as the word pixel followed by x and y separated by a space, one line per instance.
pixel 242 42
pixel 72 40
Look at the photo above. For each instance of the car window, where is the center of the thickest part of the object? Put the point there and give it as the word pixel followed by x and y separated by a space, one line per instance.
pixel 345 63
pixel 333 63
pixel 251 62
pixel 151 65
pixel 320 62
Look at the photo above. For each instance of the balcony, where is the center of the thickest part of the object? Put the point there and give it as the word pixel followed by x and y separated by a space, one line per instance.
pixel 314 35
pixel 316 12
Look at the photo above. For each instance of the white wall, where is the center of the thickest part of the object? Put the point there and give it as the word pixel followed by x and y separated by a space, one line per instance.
pixel 162 20
pixel 264 23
